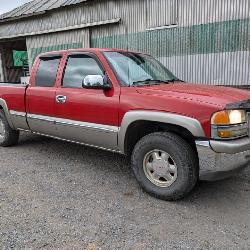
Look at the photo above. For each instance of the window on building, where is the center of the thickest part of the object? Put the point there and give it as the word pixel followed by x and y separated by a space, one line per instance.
pixel 162 13
pixel 78 67
pixel 47 72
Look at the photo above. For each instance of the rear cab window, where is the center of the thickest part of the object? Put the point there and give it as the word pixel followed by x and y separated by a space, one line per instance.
pixel 47 71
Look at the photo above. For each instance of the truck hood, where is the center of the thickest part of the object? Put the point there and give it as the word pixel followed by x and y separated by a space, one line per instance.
pixel 218 96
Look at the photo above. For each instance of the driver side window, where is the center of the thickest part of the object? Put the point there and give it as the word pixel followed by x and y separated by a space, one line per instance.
pixel 77 68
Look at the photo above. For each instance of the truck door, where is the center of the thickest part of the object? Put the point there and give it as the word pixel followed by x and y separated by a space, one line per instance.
pixel 40 97
pixel 86 115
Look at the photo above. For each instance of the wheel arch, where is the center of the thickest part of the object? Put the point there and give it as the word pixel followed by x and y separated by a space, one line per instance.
pixel 4 107
pixel 137 124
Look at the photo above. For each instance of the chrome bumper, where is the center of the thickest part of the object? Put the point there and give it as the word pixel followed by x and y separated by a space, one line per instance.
pixel 219 160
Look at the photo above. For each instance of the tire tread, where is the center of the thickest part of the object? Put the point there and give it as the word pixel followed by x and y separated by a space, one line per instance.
pixel 12 136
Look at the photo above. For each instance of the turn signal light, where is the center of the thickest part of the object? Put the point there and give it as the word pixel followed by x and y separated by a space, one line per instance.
pixel 221 118
pixel 224 134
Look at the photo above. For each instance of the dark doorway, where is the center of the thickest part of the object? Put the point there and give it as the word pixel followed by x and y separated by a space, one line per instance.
pixel 14 63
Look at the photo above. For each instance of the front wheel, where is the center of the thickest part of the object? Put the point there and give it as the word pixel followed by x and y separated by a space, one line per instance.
pixel 165 165
pixel 8 136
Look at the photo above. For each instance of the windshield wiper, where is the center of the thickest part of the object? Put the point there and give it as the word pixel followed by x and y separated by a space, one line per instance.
pixel 149 81
pixel 169 81
pixel 146 81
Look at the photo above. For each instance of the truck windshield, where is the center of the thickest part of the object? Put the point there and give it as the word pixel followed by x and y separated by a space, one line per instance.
pixel 134 69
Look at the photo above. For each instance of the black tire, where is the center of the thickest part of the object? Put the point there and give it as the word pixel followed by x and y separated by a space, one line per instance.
pixel 9 137
pixel 184 158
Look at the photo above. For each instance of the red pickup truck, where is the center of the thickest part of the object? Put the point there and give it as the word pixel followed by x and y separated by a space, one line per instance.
pixel 175 132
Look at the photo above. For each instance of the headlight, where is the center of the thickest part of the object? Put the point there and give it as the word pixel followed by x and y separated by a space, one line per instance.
pixel 229 117
pixel 229 124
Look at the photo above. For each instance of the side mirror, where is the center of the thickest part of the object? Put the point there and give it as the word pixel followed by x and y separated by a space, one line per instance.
pixel 96 82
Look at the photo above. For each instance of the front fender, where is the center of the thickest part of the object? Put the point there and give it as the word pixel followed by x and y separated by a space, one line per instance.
pixel 190 124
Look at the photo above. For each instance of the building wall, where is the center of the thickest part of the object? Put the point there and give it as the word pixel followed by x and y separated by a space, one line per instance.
pixel 1 69
pixel 57 41
pixel 203 41
pixel 210 43
pixel 214 53
pixel 196 12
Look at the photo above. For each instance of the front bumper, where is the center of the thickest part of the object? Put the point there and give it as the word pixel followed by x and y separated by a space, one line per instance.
pixel 221 159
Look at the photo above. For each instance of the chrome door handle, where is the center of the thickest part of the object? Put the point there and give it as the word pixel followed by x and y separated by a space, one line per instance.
pixel 61 99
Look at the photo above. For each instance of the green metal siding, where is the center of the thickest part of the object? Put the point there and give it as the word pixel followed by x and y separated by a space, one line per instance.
pixel 36 51
pixel 228 36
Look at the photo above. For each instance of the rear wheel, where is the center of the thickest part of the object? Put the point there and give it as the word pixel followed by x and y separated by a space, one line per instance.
pixel 165 165
pixel 8 136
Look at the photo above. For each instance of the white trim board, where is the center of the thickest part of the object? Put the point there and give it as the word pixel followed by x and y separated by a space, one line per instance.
pixel 74 27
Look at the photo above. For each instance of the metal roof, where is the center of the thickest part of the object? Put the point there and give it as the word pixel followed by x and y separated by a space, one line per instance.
pixel 37 7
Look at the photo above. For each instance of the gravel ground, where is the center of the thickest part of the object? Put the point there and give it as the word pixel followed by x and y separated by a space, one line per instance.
pixel 56 195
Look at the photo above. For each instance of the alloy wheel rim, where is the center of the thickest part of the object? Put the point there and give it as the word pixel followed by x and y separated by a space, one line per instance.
pixel 160 168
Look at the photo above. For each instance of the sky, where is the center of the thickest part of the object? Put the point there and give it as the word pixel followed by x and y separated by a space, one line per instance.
pixel 7 5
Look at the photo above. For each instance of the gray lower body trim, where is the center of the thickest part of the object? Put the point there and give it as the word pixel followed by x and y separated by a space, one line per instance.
pixel 102 136
pixel 71 141
pixel 19 120
pixel 215 166
pixel 67 122
pixel 87 125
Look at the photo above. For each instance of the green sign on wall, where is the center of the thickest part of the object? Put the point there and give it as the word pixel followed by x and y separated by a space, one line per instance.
pixel 20 58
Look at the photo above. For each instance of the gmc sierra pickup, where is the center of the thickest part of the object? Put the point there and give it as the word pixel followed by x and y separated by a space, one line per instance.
pixel 175 133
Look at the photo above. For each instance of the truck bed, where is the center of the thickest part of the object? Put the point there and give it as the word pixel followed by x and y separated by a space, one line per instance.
pixel 12 95
pixel 9 84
